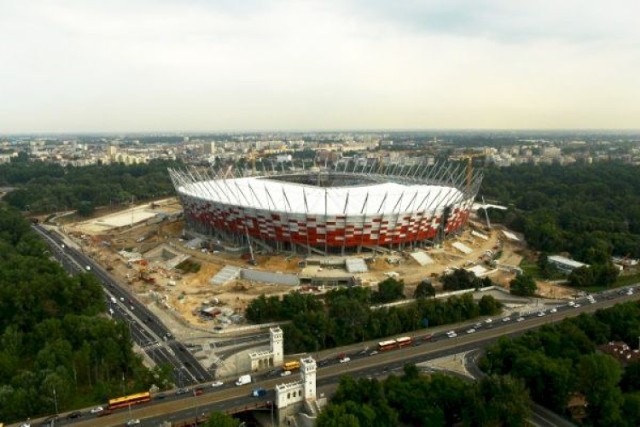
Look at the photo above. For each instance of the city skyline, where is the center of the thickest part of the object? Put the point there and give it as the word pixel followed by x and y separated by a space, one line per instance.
pixel 165 66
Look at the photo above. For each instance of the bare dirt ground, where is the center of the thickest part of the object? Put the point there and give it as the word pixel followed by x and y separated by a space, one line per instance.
pixel 120 248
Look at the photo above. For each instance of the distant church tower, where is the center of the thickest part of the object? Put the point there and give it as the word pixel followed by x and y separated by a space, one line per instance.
pixel 308 376
pixel 277 345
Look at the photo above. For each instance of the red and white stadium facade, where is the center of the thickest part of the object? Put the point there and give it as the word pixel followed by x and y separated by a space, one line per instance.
pixel 352 210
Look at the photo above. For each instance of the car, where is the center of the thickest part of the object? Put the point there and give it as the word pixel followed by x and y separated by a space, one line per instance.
pixel 452 334
pixel 181 391
pixel 198 391
pixel 97 410
pixel 88 267
pixel 122 299
pixel 345 359
pixel 26 424
pixel 74 414
pixel 131 307
pixel 520 319
pixel 541 313
pixel 488 321
pixel 477 325
pixel 571 303
pixel 506 319
pixel 373 353
pixel 49 421
pixel 576 305
pixel 553 310
pixel 470 331
pixel 287 373
pixel 217 384
pixel 133 422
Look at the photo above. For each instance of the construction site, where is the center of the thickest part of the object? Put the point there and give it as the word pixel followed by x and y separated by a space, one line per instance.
pixel 207 289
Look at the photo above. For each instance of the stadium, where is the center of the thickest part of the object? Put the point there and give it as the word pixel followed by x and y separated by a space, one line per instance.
pixel 331 211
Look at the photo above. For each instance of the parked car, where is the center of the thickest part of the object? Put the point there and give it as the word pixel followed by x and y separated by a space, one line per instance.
pixel 217 384
pixel 345 359
pixel 97 410
pixel 133 422
pixel 74 414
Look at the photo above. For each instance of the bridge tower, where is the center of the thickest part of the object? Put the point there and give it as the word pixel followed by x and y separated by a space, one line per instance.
pixel 308 377
pixel 277 344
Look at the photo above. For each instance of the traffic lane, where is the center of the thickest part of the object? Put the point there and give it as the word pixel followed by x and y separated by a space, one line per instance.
pixel 138 334
pixel 381 363
pixel 190 362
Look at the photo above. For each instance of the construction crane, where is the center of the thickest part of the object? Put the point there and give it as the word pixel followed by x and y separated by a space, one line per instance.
pixel 469 157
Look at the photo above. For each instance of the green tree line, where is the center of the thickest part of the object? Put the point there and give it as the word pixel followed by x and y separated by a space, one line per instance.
pixel 344 316
pixel 434 401
pixel 44 187
pixel 591 211
pixel 562 359
pixel 56 344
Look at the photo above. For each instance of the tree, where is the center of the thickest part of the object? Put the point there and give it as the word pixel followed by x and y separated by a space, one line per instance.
pixel 460 279
pixel 498 400
pixel 581 277
pixel 388 290
pixel 337 416
pixel 489 306
pixel 631 377
pixel 631 409
pixel 424 290
pixel 598 376
pixel 523 285
pixel 85 208
pixel 219 419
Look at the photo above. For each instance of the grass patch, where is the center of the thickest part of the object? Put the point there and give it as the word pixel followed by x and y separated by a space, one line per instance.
pixel 627 280
pixel 188 266
pixel 530 268
pixel 620 282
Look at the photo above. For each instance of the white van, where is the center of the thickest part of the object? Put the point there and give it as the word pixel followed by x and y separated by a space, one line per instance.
pixel 244 379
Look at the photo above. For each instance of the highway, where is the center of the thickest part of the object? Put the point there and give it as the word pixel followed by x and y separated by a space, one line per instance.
pixel 227 397
pixel 147 331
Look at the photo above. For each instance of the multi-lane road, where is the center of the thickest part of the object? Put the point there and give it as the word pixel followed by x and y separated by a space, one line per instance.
pixel 168 406
pixel 147 331
pixel 151 335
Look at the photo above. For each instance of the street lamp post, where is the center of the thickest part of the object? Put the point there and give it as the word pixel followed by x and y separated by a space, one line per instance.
pixel 55 399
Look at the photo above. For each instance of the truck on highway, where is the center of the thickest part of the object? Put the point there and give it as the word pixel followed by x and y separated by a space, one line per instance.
pixel 259 392
pixel 244 379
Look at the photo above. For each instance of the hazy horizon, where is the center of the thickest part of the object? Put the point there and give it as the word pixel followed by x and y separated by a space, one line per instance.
pixel 141 66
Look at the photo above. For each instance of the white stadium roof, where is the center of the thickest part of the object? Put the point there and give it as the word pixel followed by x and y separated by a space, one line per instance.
pixel 263 193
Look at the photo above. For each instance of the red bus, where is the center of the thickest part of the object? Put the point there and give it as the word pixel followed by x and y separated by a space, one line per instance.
pixel 404 341
pixel 386 345
pixel 427 337
pixel 132 399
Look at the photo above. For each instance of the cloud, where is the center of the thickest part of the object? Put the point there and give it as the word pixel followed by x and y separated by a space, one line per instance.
pixel 199 65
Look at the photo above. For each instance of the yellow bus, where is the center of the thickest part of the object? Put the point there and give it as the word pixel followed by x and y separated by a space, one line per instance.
pixel 292 365
pixel 132 399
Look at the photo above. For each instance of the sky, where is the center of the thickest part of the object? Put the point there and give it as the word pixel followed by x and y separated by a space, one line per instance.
pixel 247 65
